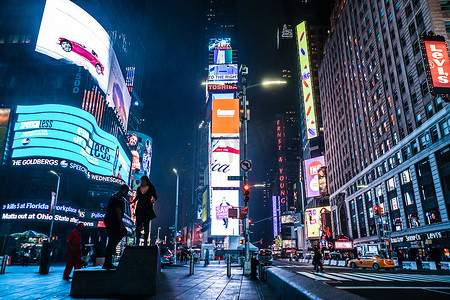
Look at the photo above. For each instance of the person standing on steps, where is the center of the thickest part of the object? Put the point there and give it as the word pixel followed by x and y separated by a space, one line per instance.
pixel 145 198
pixel 114 224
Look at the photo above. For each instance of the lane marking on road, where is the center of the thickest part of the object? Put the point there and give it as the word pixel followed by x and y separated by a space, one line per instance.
pixel 435 291
pixel 355 287
pixel 366 276
pixel 313 276
pixel 413 277
pixel 350 276
pixel 333 276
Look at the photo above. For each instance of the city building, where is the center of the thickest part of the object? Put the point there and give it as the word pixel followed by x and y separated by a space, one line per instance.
pixel 386 134
pixel 66 106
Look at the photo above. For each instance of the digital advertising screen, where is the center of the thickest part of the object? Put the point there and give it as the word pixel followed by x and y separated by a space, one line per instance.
pixel 228 73
pixel 318 223
pixel 70 34
pixel 225 159
pixel 221 201
pixel 223 56
pixel 305 81
pixel 205 206
pixel 219 43
pixel 141 146
pixel 52 134
pixel 225 117
pixel 222 96
pixel 312 167
pixel 4 121
pixel 437 65
pixel 118 96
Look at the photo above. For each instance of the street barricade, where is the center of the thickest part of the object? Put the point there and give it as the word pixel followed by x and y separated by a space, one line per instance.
pixel 429 265
pixel 445 265
pixel 333 262
pixel 409 265
pixel 342 263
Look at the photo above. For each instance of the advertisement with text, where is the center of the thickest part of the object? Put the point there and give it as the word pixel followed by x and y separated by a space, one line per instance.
pixel 221 201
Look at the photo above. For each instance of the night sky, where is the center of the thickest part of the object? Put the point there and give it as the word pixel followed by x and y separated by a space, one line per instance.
pixel 173 95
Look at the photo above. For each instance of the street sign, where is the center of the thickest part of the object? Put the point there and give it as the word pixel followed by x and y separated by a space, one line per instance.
pixel 236 178
pixel 172 227
pixel 233 213
pixel 243 211
pixel 246 165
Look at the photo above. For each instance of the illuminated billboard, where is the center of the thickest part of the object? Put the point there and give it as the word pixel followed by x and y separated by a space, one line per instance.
pixel 224 56
pixel 50 134
pixel 222 87
pixel 225 157
pixel 118 96
pixel 311 175
pixel 205 206
pixel 227 73
pixel 318 223
pixel 140 146
pixel 219 43
pixel 437 65
pixel 4 121
pixel 70 34
pixel 221 201
pixel 306 82
pixel 225 117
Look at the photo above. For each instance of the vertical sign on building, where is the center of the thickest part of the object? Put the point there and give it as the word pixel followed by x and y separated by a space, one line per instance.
pixel 281 162
pixel 437 65
pixel 4 121
pixel 305 81
pixel 275 215
pixel 312 167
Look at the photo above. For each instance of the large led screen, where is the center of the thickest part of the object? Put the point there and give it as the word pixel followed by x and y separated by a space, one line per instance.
pixel 223 56
pixel 219 43
pixel 306 82
pixel 224 162
pixel 221 201
pixel 68 133
pixel 225 117
pixel 141 146
pixel 70 34
pixel 228 73
pixel 118 96
pixel 435 55
pixel 4 121
pixel 312 167
pixel 318 223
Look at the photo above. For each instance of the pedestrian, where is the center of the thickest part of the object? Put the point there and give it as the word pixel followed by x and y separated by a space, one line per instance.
pixel 26 257
pixel 73 253
pixel 317 260
pixel 114 224
pixel 145 198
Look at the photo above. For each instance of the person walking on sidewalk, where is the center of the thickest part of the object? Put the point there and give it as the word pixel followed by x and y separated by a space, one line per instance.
pixel 145 198
pixel 114 224
pixel 317 260
pixel 26 257
pixel 73 253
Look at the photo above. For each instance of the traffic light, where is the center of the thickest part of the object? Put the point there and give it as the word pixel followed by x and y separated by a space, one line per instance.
pixel 179 238
pixel 241 242
pixel 376 210
pixel 246 192
pixel 250 222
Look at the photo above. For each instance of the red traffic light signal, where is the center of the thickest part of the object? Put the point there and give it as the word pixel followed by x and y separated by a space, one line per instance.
pixel 246 192
pixel 376 210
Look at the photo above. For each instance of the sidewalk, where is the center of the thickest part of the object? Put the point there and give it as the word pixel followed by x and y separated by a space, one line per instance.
pixel 175 283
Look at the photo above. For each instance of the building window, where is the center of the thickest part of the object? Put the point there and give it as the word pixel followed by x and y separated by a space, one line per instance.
pixel 434 134
pixel 416 47
pixel 443 126
pixel 429 110
pixel 418 120
pixel 394 203
pixel 411 80
pixel 413 221
pixel 390 184
pixel 405 177
pixel 408 10
pixel 414 98
pixel 419 67
pixel 423 141
pixel 419 18
pixel 406 108
pixel 406 60
pixel 424 88
pixel 412 28
pixel 414 148
pixel 438 103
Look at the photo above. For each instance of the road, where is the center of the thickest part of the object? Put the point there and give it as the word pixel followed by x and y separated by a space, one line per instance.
pixel 380 284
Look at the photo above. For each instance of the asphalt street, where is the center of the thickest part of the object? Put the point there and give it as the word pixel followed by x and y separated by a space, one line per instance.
pixel 377 284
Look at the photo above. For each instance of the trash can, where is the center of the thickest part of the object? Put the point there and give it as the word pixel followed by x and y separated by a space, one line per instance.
pixel 46 252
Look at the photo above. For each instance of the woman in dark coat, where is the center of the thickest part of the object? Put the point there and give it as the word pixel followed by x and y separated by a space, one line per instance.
pixel 145 197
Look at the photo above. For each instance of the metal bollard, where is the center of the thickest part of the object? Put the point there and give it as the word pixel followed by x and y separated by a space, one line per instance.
pixel 229 266
pixel 191 269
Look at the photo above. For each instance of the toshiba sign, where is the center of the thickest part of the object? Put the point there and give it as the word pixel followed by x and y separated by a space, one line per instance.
pixel 437 65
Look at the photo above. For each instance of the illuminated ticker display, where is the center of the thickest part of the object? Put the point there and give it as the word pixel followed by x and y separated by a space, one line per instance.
pixel 306 82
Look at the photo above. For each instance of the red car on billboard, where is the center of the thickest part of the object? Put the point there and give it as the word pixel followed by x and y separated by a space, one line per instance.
pixel 83 51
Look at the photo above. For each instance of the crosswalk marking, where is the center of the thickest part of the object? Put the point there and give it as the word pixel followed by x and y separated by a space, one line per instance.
pixel 376 277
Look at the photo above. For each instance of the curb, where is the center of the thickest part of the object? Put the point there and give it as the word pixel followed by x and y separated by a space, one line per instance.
pixel 288 286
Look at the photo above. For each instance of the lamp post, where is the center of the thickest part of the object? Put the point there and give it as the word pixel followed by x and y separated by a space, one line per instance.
pixel 157 237
pixel 54 204
pixel 176 218
pixel 244 72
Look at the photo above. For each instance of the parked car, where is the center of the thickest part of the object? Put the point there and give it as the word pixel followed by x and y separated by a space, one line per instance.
pixel 265 257
pixel 88 54
pixel 166 256
pixel 372 261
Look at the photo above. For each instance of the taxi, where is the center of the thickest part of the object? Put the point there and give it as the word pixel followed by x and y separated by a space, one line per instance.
pixel 372 261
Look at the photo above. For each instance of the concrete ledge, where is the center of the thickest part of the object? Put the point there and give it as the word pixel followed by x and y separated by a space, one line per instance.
pixel 288 286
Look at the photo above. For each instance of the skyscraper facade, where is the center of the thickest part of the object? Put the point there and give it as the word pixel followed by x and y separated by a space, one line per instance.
pixel 386 135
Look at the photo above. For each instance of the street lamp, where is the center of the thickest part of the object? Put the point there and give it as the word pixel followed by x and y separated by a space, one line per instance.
pixel 176 218
pixel 244 72
pixel 54 204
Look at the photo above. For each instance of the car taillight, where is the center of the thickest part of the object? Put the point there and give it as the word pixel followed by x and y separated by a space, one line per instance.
pixel 166 256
